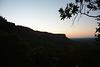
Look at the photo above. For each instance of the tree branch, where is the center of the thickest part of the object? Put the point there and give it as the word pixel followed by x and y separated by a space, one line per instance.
pixel 90 15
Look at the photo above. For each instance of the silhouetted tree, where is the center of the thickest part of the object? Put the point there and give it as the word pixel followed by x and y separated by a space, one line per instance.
pixel 97 33
pixel 82 7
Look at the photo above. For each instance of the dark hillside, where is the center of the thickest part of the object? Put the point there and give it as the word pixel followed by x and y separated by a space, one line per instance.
pixel 23 47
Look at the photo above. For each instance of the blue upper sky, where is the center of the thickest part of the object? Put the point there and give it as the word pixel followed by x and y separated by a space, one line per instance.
pixel 43 15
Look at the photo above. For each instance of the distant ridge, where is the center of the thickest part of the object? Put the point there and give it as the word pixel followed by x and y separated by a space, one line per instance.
pixel 39 33
pixel 86 40
pixel 30 35
pixel 37 36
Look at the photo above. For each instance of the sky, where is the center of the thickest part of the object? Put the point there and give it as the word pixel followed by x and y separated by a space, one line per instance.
pixel 43 15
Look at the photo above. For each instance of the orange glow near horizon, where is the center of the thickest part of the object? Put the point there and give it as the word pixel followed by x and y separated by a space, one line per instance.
pixel 78 35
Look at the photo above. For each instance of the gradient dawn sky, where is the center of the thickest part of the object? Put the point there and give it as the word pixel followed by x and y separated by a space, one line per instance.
pixel 43 15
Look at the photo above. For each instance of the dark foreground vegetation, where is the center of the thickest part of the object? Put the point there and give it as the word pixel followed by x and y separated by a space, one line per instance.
pixel 23 47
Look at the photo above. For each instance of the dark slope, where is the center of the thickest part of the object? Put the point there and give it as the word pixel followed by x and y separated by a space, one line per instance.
pixel 23 47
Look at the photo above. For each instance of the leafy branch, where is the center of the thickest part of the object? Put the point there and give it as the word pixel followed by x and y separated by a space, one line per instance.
pixel 82 7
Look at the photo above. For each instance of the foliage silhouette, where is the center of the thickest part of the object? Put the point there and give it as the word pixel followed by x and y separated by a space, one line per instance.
pixel 79 7
pixel 97 34
pixel 82 7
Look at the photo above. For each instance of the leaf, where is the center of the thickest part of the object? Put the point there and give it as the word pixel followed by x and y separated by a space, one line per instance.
pixel 70 4
pixel 77 1
pixel 61 10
